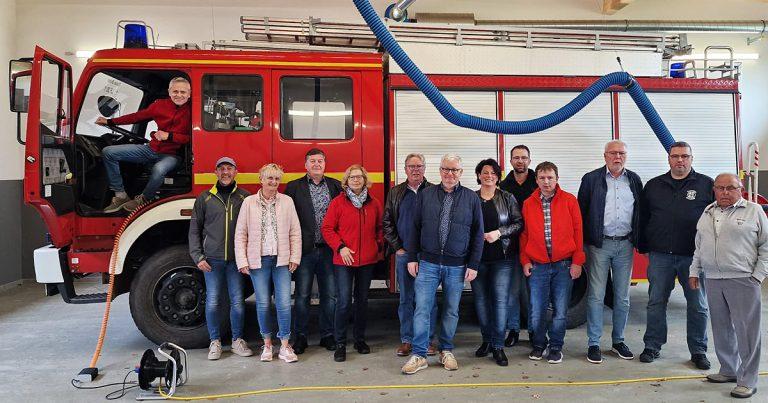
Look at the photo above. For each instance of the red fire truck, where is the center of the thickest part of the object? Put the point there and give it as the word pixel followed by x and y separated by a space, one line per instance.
pixel 272 105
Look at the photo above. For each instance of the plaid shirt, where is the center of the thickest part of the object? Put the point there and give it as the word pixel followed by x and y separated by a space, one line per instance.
pixel 546 203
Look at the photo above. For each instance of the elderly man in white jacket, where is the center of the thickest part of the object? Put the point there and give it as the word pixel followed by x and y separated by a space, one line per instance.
pixel 732 251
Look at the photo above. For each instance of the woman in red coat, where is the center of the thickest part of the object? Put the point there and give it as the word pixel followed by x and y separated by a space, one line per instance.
pixel 352 229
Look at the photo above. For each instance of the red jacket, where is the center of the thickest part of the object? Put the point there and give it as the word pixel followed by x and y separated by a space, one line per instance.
pixel 358 229
pixel 567 240
pixel 176 120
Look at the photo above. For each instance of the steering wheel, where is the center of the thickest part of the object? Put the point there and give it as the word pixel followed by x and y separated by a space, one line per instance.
pixel 128 134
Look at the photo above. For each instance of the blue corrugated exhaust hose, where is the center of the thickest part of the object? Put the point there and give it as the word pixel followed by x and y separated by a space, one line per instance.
pixel 461 119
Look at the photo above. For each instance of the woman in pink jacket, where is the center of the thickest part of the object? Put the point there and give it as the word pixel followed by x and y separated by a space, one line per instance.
pixel 268 248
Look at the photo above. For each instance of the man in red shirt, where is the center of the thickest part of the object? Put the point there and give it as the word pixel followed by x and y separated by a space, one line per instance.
pixel 551 252
pixel 173 118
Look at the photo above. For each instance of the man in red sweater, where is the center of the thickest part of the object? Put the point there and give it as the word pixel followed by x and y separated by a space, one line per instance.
pixel 551 252
pixel 173 118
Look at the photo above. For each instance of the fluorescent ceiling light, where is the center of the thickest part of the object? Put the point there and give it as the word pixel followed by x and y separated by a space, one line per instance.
pixel 293 112
pixel 84 54
pixel 719 56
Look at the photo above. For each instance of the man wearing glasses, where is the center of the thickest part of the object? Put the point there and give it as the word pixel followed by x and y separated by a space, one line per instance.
pixel 398 223
pixel 732 249
pixel 671 205
pixel 444 247
pixel 609 198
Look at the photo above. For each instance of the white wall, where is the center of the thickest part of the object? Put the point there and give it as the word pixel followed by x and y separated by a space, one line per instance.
pixel 90 27
pixel 10 151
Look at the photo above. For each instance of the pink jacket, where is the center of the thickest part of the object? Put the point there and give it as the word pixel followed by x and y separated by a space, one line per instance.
pixel 248 233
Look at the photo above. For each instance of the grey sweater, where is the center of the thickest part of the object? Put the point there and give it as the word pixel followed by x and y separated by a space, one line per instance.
pixel 740 249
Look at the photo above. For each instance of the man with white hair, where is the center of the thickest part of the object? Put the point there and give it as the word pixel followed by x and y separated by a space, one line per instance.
pixel 609 198
pixel 732 252
pixel 444 247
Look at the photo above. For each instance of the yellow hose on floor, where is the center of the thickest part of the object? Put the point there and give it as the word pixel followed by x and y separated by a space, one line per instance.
pixel 431 386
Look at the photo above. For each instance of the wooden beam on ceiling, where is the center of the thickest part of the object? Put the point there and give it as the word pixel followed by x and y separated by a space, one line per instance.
pixel 612 6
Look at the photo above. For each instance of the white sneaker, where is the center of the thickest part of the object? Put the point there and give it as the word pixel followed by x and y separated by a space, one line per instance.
pixel 286 354
pixel 266 353
pixel 214 350
pixel 240 347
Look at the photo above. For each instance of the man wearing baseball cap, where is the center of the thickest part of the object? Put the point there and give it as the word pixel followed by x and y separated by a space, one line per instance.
pixel 211 246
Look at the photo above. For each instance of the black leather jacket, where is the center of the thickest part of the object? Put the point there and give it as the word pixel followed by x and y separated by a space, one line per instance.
pixel 510 221
pixel 391 211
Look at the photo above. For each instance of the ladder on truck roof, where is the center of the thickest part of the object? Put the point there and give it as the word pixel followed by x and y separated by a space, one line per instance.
pixel 266 32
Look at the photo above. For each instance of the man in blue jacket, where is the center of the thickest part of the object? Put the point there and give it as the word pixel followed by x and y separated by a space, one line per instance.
pixel 445 246
pixel 671 205
pixel 609 199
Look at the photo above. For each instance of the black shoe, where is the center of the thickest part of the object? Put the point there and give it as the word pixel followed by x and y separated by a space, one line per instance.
pixel 362 348
pixel 500 357
pixel 536 354
pixel 328 342
pixel 512 338
pixel 340 354
pixel 300 344
pixel 555 357
pixel 649 355
pixel 483 350
pixel 700 361
pixel 622 351
pixel 594 355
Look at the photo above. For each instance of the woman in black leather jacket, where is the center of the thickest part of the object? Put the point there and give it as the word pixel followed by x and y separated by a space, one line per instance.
pixel 503 222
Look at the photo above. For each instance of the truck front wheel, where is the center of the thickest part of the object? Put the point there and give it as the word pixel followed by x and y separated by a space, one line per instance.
pixel 167 299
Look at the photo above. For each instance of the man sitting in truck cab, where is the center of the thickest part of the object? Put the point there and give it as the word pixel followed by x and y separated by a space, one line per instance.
pixel 173 118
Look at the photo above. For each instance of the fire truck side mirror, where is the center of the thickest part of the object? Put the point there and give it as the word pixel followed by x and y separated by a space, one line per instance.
pixel 20 78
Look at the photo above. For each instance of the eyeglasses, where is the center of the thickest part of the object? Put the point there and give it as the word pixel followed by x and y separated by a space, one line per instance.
pixel 679 156
pixel 415 167
pixel 356 177
pixel 728 188
pixel 615 153
pixel 454 171
pixel 523 158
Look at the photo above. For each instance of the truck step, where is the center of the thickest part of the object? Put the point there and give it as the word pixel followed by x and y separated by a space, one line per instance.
pixel 88 298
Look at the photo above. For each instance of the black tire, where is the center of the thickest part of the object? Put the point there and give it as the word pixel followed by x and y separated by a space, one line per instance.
pixel 168 284
pixel 577 308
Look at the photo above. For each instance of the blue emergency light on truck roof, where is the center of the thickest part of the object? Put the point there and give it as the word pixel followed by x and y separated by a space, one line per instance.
pixel 135 36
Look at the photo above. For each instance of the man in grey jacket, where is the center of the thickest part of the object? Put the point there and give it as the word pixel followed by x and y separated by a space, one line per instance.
pixel 212 247
pixel 732 251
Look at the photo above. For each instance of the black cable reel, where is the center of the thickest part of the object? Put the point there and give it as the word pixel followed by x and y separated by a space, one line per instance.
pixel 172 372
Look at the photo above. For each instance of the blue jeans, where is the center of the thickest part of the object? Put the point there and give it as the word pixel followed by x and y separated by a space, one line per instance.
pixel 662 270
pixel 405 283
pixel 491 291
pixel 318 262
pixel 615 257
pixel 223 274
pixel 137 154
pixel 351 280
pixel 518 295
pixel 430 276
pixel 269 274
pixel 551 283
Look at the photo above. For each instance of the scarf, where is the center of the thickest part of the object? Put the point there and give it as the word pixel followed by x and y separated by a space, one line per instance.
pixel 357 200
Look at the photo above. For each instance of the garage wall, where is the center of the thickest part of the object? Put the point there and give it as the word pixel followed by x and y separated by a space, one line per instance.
pixel 63 26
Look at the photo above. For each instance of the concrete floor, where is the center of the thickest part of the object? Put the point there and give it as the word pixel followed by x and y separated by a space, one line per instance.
pixel 45 342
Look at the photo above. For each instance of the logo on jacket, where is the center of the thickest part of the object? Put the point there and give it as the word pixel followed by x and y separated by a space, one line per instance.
pixel 691 195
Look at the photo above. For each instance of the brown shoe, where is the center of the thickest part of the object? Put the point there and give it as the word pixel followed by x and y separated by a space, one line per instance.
pixel 432 349
pixel 117 204
pixel 404 350
pixel 135 203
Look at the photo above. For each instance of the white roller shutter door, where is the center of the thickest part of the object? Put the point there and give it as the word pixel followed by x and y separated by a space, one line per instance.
pixel 419 128
pixel 575 146
pixel 704 120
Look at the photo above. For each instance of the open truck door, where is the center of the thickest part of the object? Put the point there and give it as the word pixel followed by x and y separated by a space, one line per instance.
pixel 42 88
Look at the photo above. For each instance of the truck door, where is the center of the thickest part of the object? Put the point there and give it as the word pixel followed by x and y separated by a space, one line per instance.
pixel 318 109
pixel 48 159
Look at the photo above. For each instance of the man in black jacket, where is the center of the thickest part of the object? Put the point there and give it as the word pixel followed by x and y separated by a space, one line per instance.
pixel 671 205
pixel 445 246
pixel 609 199
pixel 398 223
pixel 311 195
pixel 212 248
pixel 521 182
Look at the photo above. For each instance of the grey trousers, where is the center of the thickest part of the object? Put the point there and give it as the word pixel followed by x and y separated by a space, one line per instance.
pixel 734 309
